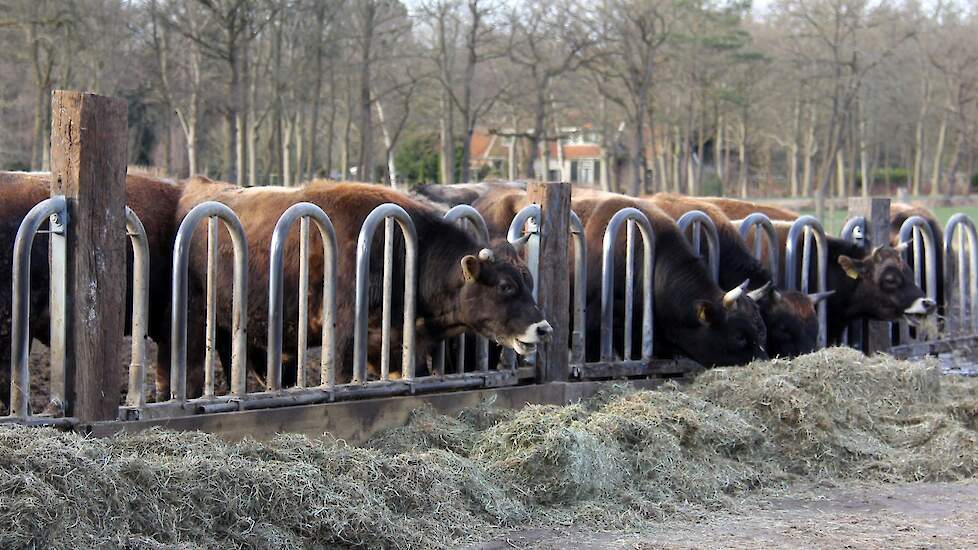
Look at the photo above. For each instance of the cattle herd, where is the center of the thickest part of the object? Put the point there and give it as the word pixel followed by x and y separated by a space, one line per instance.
pixel 468 286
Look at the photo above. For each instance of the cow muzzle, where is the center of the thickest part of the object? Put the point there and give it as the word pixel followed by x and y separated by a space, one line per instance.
pixel 526 343
pixel 921 306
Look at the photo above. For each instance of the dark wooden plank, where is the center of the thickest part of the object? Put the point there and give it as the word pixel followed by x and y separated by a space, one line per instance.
pixel 876 334
pixel 89 139
pixel 554 279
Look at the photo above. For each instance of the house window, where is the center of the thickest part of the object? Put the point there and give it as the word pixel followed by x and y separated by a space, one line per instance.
pixel 573 177
pixel 586 171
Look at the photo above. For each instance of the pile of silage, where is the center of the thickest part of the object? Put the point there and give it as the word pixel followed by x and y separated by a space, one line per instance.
pixel 618 460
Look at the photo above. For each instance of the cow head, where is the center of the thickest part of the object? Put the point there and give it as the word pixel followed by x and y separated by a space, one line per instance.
pixel 791 319
pixel 496 299
pixel 728 331
pixel 884 286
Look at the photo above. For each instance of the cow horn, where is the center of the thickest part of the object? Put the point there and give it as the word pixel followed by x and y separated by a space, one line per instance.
pixel 902 247
pixel 486 255
pixel 520 243
pixel 819 296
pixel 731 297
pixel 759 293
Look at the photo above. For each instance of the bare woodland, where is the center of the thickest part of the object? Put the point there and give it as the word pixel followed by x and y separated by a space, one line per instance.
pixel 802 98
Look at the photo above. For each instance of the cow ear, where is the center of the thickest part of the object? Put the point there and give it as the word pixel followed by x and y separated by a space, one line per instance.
pixel 854 268
pixel 706 312
pixel 470 268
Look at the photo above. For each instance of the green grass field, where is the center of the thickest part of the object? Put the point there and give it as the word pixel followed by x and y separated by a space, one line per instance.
pixel 834 219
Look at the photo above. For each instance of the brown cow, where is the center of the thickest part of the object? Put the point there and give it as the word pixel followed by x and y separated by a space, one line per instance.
pixel 447 196
pixel 152 199
pixel 737 209
pixel 790 317
pixel 460 285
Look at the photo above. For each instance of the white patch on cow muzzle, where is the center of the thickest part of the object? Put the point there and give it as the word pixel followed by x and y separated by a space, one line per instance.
pixel 526 343
pixel 921 306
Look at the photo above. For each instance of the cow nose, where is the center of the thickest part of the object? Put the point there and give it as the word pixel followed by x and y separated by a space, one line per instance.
pixel 544 330
pixel 921 306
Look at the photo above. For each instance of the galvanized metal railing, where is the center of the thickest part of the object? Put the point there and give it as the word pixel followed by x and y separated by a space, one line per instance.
pixel 524 235
pixel 697 222
pixel 460 214
pixel 389 214
pixel 212 211
pixel 759 223
pixel 55 211
pixel 854 231
pixel 304 212
pixel 965 319
pixel 808 229
pixel 917 237
pixel 632 217
pixel 578 336
pixel 136 395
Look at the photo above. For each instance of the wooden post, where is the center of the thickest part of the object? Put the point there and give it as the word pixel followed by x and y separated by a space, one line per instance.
pixel 876 334
pixel 554 275
pixel 89 136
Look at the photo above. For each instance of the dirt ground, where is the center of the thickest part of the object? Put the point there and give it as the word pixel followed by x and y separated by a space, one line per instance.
pixel 906 515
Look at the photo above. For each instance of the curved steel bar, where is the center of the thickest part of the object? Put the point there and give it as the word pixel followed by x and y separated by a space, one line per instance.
pixel 929 269
pixel 917 234
pixel 854 229
pixel 239 298
pixel 276 269
pixel 697 217
pixel 608 281
pixel 529 213
pixel 136 396
pixel 378 215
pixel 454 215
pixel 971 275
pixel 20 383
pixel 763 223
pixel 528 218
pixel 808 227
pixel 580 289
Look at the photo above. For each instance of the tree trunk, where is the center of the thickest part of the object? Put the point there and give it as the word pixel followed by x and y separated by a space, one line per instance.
pixel 935 176
pixel 447 139
pixel 388 146
pixel 809 154
pixel 864 167
pixel 918 156
pixel 366 164
pixel 718 155
pixel 742 155
pixel 794 146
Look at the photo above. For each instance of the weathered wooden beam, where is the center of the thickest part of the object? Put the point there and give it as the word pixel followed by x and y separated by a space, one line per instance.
pixel 553 278
pixel 89 138
pixel 876 334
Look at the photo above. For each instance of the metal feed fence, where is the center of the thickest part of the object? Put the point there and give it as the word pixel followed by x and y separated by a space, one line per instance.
pixel 806 243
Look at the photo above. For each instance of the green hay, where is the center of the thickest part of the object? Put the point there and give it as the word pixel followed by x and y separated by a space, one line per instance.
pixel 619 460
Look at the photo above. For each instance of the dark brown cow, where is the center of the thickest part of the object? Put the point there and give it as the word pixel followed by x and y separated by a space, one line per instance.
pixel 790 317
pixel 678 273
pixel 460 285
pixel 876 284
pixel 153 200
pixel 693 316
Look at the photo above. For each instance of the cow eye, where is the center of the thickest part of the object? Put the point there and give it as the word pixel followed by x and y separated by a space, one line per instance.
pixel 507 288
pixel 891 280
